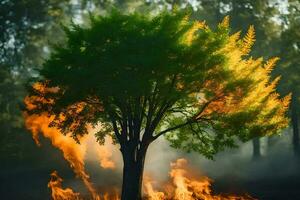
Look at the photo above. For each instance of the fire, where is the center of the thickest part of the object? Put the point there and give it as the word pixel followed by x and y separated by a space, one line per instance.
pixel 185 186
pixel 73 152
pixel 150 191
pixel 182 184
pixel 111 197
pixel 57 193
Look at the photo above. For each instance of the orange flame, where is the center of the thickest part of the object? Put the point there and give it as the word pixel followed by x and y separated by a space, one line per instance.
pixel 150 191
pixel 73 152
pixel 107 196
pixel 184 186
pixel 57 193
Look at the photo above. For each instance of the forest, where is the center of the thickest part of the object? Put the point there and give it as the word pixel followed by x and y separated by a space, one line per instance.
pixel 243 133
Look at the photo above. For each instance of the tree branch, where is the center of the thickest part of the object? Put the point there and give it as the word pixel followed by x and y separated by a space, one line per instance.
pixel 193 119
pixel 117 133
pixel 173 128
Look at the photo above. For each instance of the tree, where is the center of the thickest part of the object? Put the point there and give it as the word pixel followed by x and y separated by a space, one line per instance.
pixel 144 77
pixel 290 64
pixel 256 148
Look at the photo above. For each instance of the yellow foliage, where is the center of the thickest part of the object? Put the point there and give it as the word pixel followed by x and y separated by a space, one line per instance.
pixel 271 63
pixel 248 40
pixel 190 35
pixel 261 95
pixel 225 22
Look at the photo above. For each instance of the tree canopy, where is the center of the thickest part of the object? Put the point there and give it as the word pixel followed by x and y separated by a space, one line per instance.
pixel 146 76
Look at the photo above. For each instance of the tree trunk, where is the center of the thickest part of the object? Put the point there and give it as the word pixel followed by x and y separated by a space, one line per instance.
pixel 295 126
pixel 133 169
pixel 256 148
pixel 271 142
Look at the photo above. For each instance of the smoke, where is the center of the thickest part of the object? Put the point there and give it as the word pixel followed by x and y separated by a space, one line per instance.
pixel 277 160
pixel 107 155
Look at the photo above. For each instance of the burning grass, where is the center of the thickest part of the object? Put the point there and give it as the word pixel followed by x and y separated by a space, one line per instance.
pixel 183 185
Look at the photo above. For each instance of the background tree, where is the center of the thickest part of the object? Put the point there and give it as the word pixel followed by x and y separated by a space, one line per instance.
pixel 22 25
pixel 173 77
pixel 289 67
